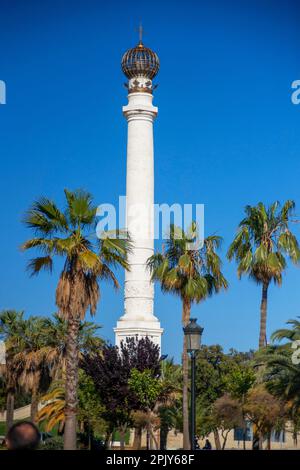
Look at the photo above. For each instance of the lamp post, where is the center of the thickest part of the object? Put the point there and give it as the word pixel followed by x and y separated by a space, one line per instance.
pixel 193 332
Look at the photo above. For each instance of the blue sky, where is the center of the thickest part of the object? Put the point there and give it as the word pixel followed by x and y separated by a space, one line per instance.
pixel 227 134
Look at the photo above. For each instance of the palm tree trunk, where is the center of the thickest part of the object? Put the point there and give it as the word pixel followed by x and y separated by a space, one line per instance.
pixel 263 316
pixel 10 405
pixel 185 398
pixel 34 403
pixel 163 437
pixel 71 384
pixel 186 310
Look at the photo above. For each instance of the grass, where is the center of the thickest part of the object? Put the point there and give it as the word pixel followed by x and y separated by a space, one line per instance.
pixel 3 425
pixel 41 426
pixel 116 437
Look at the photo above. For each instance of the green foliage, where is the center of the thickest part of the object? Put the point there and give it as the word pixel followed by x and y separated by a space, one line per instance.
pixel 261 247
pixel 90 409
pixel 146 388
pixel 214 376
pixel 281 375
pixel 212 366
pixel 239 381
pixel 54 443
pixel 67 234
pixel 263 240
pixel 193 274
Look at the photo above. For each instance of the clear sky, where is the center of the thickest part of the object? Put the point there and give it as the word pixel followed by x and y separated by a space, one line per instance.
pixel 227 134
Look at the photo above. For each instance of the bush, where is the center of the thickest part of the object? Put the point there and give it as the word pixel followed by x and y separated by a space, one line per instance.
pixel 55 443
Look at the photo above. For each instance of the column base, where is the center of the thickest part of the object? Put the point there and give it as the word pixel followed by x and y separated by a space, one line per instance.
pixel 129 328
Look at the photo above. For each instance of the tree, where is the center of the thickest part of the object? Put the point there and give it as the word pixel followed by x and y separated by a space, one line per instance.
pixel 170 407
pixel 282 372
pixel 90 409
pixel 193 275
pixel 110 371
pixel 227 415
pixel 147 390
pixel 145 387
pixel 263 239
pixel 31 362
pixel 11 323
pixel 53 403
pixel 216 372
pixel 42 355
pixel 265 411
pixel 55 333
pixel 238 383
pixel 2 395
pixel 87 260
pixel 167 410
pixel 212 367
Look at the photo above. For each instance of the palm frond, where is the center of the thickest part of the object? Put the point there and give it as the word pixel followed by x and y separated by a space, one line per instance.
pixel 35 265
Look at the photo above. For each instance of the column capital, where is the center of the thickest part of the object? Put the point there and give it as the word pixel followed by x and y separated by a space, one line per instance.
pixel 140 107
pixel 140 111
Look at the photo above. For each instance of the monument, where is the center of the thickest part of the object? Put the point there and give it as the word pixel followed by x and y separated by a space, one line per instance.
pixel 140 65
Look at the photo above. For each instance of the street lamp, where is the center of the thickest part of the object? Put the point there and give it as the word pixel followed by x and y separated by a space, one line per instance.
pixel 192 332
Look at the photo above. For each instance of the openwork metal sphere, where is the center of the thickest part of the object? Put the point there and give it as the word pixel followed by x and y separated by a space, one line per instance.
pixel 140 61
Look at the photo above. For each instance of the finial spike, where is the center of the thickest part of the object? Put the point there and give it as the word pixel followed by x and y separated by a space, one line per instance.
pixel 141 33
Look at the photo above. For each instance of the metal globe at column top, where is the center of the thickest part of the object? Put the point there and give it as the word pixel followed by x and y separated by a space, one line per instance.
pixel 140 65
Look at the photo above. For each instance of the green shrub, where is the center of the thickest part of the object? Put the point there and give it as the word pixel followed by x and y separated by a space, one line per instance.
pixel 54 443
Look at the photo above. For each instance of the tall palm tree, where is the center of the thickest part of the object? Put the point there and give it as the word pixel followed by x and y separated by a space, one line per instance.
pixel 193 275
pixel 11 324
pixel 87 260
pixel 263 239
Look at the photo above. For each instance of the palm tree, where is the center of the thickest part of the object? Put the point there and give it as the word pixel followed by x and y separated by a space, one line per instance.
pixel 31 362
pixel 193 275
pixel 53 406
pixel 87 260
pixel 282 376
pixel 42 353
pixel 55 334
pixel 263 238
pixel 11 323
pixel 290 334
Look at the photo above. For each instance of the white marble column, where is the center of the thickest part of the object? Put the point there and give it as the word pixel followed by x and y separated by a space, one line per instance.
pixel 138 318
